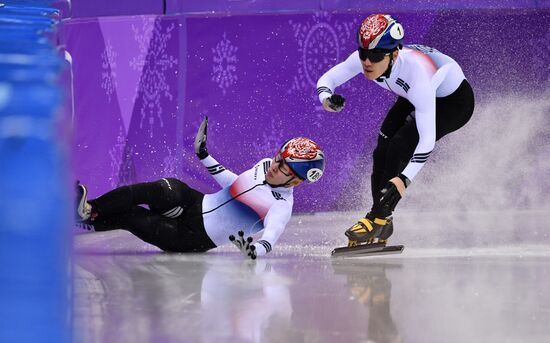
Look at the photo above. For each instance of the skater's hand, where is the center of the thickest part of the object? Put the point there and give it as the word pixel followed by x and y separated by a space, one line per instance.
pixel 245 246
pixel 393 192
pixel 200 140
pixel 334 103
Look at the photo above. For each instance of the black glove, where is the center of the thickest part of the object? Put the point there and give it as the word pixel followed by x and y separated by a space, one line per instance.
pixel 336 102
pixel 200 140
pixel 390 197
pixel 244 246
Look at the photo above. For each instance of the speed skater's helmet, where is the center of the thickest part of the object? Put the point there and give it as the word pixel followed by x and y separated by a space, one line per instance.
pixel 381 32
pixel 304 157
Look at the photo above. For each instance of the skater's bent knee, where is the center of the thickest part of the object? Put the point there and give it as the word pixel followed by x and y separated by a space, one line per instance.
pixel 173 184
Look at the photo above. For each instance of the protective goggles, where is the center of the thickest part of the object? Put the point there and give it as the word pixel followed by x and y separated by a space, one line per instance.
pixel 374 56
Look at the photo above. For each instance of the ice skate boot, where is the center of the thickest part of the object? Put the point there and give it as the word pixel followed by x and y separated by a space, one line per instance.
pixel 83 208
pixel 369 230
pixel 386 232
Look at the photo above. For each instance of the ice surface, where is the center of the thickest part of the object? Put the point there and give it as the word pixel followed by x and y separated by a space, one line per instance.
pixel 129 291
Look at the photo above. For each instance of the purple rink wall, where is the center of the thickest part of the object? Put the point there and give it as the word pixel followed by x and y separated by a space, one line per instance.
pixel 142 81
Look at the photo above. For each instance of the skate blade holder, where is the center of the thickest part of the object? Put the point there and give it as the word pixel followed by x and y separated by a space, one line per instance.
pixel 371 242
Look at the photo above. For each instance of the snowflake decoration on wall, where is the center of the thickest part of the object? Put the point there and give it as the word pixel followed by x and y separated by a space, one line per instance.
pixel 319 45
pixel 127 173
pixel 141 36
pixel 108 74
pixel 115 153
pixel 225 64
pixel 122 165
pixel 170 164
pixel 155 64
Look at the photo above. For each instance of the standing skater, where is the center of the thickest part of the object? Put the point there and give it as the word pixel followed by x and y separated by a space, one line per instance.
pixel 181 219
pixel 434 99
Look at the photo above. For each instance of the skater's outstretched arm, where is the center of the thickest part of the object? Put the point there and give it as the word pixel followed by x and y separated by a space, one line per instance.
pixel 275 223
pixel 222 176
pixel 333 78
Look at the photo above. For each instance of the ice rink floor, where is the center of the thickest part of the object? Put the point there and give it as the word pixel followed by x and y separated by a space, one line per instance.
pixel 128 291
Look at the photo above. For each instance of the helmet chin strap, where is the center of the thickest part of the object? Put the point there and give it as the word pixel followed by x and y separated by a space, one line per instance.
pixel 387 72
pixel 281 185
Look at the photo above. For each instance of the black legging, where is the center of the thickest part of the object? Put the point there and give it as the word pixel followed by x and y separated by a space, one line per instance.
pixel 119 209
pixel 400 136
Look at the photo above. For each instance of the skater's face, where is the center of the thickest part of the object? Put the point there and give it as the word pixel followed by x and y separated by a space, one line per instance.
pixel 279 173
pixel 375 63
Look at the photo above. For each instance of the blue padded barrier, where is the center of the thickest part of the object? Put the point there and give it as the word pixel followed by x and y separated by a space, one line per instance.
pixel 35 259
